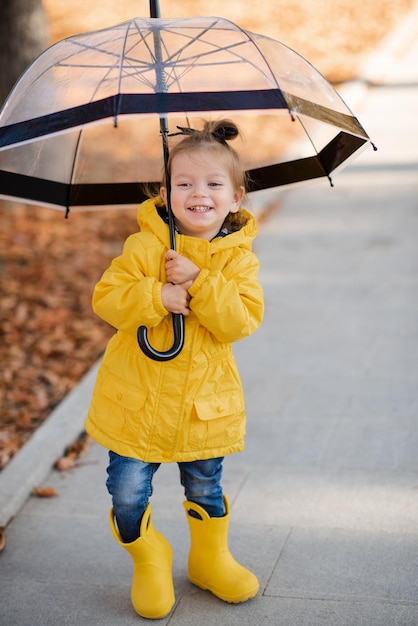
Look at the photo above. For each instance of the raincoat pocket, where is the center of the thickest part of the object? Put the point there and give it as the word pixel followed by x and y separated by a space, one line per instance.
pixel 126 396
pixel 217 421
pixel 220 405
pixel 117 409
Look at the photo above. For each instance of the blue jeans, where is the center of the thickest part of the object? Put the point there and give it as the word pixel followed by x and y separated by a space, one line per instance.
pixel 130 485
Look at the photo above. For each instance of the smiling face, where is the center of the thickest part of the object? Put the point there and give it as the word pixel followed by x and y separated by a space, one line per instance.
pixel 202 192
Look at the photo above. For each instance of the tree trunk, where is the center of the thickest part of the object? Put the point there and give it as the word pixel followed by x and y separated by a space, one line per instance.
pixel 23 35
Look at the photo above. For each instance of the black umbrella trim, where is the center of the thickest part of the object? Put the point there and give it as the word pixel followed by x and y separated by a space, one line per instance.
pixel 331 156
pixel 131 104
pixel 108 194
pixel 64 195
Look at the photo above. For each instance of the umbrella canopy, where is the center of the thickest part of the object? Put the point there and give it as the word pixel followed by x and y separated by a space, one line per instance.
pixel 82 126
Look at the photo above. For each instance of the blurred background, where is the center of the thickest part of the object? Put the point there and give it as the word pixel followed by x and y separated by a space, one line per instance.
pixel 49 336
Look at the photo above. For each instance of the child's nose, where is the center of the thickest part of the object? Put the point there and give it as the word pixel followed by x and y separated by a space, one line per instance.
pixel 200 189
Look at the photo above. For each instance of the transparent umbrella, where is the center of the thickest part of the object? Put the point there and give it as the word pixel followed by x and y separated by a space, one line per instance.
pixel 88 123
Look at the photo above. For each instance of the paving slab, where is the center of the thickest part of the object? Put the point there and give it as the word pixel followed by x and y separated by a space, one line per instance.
pixel 371 567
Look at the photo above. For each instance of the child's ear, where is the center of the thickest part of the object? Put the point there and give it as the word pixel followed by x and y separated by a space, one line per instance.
pixel 163 194
pixel 237 199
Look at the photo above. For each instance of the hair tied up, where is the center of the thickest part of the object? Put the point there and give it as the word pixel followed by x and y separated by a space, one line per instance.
pixel 183 131
pixel 225 133
pixel 221 133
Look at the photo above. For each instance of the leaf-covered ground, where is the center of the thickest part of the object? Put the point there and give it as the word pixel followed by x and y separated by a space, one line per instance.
pixel 49 337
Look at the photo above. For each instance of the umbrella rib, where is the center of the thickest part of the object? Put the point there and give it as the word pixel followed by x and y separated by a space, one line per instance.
pixel 318 155
pixel 170 58
pixel 121 58
pixel 173 58
pixel 73 166
pixel 231 49
pixel 102 50
pixel 174 64
pixel 85 47
pixel 146 68
pixel 249 38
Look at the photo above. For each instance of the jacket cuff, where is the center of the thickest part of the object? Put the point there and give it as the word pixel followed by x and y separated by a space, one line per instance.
pixel 156 300
pixel 198 282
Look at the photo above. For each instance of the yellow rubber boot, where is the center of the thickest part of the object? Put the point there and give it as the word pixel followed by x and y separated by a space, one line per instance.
pixel 211 565
pixel 152 592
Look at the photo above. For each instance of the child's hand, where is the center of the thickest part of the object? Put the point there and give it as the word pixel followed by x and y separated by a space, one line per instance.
pixel 179 269
pixel 175 298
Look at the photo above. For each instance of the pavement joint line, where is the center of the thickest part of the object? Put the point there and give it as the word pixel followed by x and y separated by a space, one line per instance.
pixel 34 461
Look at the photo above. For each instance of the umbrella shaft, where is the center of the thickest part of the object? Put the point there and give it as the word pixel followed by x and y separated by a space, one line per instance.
pixel 161 87
pixel 171 223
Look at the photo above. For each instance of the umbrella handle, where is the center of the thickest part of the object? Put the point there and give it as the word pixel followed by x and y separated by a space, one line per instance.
pixel 148 350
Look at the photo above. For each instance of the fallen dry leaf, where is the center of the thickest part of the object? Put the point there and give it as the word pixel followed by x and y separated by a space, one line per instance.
pixel 73 452
pixel 65 463
pixel 80 446
pixel 45 492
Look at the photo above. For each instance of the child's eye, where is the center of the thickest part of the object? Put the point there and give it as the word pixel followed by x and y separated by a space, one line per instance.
pixel 214 184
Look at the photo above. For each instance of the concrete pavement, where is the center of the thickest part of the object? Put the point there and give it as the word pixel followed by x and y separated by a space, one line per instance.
pixel 325 497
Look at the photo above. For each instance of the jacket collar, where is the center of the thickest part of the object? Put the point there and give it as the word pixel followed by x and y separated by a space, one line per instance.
pixel 150 217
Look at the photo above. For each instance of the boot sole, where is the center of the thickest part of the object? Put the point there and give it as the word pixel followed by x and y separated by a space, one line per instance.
pixel 237 600
pixel 159 615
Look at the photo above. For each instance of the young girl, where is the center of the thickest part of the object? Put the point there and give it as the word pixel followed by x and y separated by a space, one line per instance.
pixel 190 409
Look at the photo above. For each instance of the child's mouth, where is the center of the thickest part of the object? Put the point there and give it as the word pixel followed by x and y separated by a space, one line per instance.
pixel 200 209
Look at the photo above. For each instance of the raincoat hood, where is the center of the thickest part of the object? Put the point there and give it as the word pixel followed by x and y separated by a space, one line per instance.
pixel 149 219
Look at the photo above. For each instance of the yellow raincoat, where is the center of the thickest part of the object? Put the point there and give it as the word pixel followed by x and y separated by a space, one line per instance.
pixel 190 407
